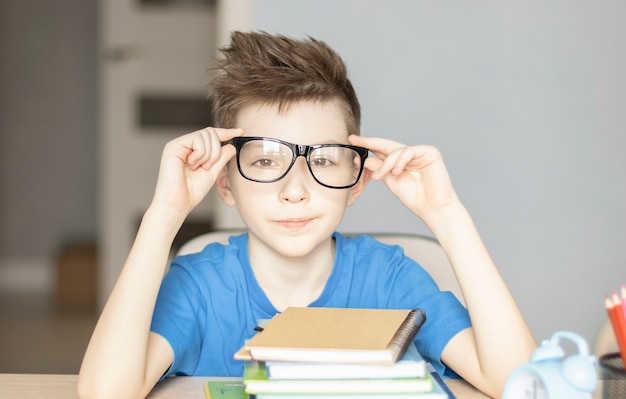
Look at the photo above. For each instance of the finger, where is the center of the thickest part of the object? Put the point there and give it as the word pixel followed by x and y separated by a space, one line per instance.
pixel 215 148
pixel 379 146
pixel 373 164
pixel 388 164
pixel 407 155
pixel 219 154
pixel 200 147
pixel 227 134
pixel 206 145
pixel 226 154
pixel 359 142
pixel 419 157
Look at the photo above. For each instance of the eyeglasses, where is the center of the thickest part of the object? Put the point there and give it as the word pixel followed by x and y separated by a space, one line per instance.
pixel 266 160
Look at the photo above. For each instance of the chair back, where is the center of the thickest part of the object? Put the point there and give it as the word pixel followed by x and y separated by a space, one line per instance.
pixel 605 341
pixel 423 249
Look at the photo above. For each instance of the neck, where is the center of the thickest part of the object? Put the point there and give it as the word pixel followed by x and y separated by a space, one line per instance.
pixel 292 281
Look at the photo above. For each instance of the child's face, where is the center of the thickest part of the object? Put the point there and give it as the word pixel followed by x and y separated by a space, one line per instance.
pixel 296 214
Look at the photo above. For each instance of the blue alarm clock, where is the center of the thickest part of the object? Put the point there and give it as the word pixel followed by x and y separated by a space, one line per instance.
pixel 552 375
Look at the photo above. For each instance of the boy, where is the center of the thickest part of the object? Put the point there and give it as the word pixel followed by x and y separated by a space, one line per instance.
pixel 273 92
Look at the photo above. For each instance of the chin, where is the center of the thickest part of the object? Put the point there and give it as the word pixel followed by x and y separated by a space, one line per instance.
pixel 299 245
pixel 294 248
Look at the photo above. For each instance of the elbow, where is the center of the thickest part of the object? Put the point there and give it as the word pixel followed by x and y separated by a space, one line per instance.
pixel 86 386
pixel 90 387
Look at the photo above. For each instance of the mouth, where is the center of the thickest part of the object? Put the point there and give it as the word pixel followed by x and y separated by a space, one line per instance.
pixel 294 223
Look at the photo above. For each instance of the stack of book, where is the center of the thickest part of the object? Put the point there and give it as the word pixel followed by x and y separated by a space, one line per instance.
pixel 325 353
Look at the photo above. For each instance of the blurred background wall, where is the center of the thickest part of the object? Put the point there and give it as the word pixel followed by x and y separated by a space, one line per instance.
pixel 48 135
pixel 526 100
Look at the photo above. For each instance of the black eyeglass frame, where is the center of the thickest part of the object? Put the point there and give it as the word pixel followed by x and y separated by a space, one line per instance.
pixel 297 150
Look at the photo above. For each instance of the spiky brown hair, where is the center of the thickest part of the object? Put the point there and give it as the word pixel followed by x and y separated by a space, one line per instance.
pixel 260 68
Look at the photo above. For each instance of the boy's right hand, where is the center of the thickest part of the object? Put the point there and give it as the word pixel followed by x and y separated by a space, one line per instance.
pixel 189 167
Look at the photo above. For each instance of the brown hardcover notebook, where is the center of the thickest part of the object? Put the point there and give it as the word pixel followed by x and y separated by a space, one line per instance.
pixel 337 335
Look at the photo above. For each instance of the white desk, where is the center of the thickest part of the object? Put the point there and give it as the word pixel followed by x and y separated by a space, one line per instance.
pixel 49 386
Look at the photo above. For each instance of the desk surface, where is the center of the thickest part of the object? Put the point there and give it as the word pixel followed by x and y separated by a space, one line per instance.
pixel 14 386
pixel 50 386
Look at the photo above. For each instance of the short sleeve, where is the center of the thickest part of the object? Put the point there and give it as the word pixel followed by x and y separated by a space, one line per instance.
pixel 408 285
pixel 179 318
pixel 445 315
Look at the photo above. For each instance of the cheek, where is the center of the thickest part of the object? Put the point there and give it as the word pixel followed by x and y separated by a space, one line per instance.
pixel 251 196
pixel 333 201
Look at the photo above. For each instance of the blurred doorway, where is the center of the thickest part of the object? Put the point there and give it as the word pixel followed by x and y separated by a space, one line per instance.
pixel 155 57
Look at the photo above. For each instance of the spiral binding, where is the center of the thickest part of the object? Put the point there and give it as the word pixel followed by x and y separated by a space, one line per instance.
pixel 407 332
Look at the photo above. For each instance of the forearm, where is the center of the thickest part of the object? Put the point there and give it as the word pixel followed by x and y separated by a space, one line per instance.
pixel 502 337
pixel 116 356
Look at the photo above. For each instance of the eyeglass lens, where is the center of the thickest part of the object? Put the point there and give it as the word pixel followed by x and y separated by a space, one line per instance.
pixel 266 161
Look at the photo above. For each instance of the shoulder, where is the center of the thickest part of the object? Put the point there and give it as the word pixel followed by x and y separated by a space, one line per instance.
pixel 213 258
pixel 366 246
pixel 388 263
pixel 194 280
pixel 368 255
pixel 215 251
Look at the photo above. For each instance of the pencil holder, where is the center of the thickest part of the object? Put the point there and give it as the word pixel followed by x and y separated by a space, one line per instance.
pixel 613 376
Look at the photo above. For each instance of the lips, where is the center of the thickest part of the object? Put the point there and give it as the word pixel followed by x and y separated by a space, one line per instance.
pixel 294 223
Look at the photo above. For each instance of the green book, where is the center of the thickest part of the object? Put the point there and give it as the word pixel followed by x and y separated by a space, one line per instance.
pixel 231 389
pixel 256 382
pixel 439 391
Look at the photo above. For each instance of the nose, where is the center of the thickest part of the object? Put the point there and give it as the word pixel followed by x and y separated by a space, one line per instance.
pixel 295 185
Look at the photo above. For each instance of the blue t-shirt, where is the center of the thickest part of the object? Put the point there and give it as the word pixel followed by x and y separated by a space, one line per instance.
pixel 210 302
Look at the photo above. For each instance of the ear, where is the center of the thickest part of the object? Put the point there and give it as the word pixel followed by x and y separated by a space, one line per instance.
pixel 358 188
pixel 222 185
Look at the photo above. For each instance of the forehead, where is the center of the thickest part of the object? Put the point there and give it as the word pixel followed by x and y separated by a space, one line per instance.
pixel 307 122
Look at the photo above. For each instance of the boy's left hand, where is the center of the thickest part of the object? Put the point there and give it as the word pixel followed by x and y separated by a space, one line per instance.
pixel 416 174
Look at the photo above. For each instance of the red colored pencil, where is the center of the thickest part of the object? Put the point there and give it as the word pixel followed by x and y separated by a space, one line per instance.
pixel 624 298
pixel 618 321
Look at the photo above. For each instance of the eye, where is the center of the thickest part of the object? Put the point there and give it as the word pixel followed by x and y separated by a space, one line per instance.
pixel 321 162
pixel 264 163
